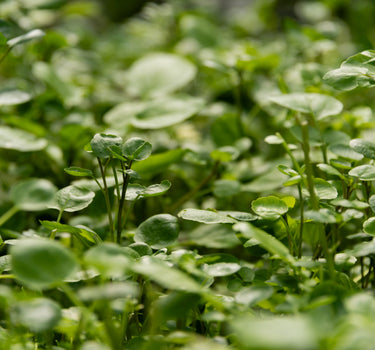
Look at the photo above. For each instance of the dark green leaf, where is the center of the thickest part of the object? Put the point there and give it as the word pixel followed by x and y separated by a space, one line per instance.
pixel 136 149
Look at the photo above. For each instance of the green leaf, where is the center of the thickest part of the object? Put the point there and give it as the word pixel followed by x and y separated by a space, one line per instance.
pixel 276 333
pixel 221 269
pixel 345 151
pixel 136 149
pixel 364 147
pixel 323 215
pixel 110 259
pixel 356 71
pixel 72 198
pixel 33 194
pixel 355 203
pixel 323 189
pixel 38 315
pixel 268 242
pixel 213 236
pixel 321 106
pixel 253 295
pixel 159 74
pixel 13 97
pixel 101 143
pixel 369 226
pixel 19 140
pixel 364 172
pixel 158 231
pixel 270 208
pixel 226 188
pixel 166 275
pixel 109 291
pixel 330 170
pixel 167 111
pixel 41 264
pixel 158 163
pixel 225 154
pixel 205 216
pixel 371 202
pixel 136 191
pixel 33 34
pixel 77 171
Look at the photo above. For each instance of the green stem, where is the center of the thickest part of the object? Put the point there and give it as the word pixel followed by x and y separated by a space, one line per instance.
pixel 313 197
pixel 302 218
pixel 7 277
pixel 107 201
pixel 238 98
pixel 8 214
pixel 290 241
pixel 5 54
pixel 126 178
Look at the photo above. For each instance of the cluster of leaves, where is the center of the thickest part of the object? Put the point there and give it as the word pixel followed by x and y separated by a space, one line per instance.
pixel 225 196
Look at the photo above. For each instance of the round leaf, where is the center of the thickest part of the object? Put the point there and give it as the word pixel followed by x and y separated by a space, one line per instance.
pixel 364 147
pixel 269 207
pixel 100 144
pixel 167 111
pixel 38 315
pixel 159 74
pixel 72 198
pixel 345 151
pixel 226 188
pixel 369 226
pixel 364 172
pixel 158 231
pixel 321 106
pixel 33 194
pixel 136 149
pixel 40 264
pixel 221 269
pixel 20 140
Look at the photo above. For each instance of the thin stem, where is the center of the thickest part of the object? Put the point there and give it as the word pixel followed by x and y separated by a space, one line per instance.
pixel 126 178
pixel 238 98
pixel 197 188
pixel 8 214
pixel 107 201
pixel 302 218
pixel 7 277
pixel 5 54
pixel 290 241
pixel 313 198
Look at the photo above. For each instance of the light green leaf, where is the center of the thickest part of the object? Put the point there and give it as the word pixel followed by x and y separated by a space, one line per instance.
pixel 158 163
pixel 38 315
pixel 270 208
pixel 77 171
pixel 268 242
pixel 364 172
pixel 364 147
pixel 323 215
pixel 109 291
pixel 323 189
pixel 158 231
pixel 369 226
pixel 33 34
pixel 101 143
pixel 345 151
pixel 253 295
pixel 159 74
pixel 41 264
pixel 19 140
pixel 72 198
pixel 13 97
pixel 321 106
pixel 167 111
pixel 166 275
pixel 221 269
pixel 226 188
pixel 33 194
pixel 276 333
pixel 205 216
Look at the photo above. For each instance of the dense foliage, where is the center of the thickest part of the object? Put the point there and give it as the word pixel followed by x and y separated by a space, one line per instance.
pixel 193 177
